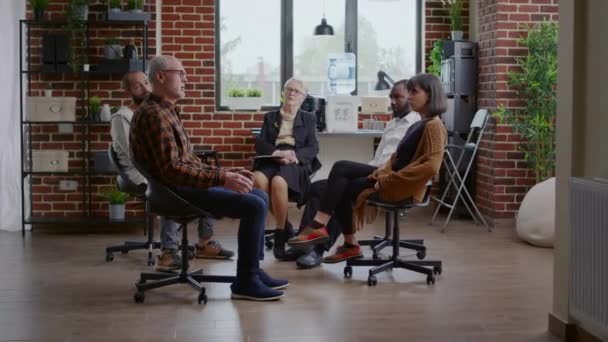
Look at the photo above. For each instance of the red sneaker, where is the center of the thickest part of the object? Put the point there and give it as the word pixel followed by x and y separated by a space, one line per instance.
pixel 344 253
pixel 309 237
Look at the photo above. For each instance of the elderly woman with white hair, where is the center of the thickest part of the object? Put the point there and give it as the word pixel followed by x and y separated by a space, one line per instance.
pixel 289 140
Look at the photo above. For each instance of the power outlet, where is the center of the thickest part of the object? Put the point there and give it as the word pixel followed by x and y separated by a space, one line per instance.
pixel 68 185
pixel 65 128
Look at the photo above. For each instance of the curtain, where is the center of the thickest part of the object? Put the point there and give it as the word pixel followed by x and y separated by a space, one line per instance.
pixel 10 171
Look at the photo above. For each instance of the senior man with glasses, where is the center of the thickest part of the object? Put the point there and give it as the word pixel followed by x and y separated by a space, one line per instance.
pixel 289 139
pixel 159 143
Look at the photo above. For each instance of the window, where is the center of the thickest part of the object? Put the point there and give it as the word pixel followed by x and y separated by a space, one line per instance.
pixel 263 53
pixel 249 48
pixel 386 40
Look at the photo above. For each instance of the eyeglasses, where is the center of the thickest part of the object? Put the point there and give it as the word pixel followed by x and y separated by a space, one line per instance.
pixel 182 73
pixel 293 90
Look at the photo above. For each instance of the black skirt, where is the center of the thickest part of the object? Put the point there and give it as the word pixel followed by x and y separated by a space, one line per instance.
pixel 296 176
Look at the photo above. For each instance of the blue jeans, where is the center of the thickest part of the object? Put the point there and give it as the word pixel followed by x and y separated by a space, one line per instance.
pixel 251 208
pixel 168 231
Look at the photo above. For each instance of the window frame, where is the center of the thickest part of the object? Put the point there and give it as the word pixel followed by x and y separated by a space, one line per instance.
pixel 286 57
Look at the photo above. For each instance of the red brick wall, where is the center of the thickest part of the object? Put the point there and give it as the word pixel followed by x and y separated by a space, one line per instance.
pixel 47 199
pixel 502 176
pixel 437 24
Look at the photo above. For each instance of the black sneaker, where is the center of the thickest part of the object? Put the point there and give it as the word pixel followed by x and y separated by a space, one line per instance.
pixel 168 261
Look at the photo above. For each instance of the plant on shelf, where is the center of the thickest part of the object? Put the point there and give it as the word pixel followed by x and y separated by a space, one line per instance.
pixel 94 107
pixel 236 92
pixel 455 11
pixel 135 5
pixel 244 98
pixel 112 49
pixel 536 84
pixel 254 93
pixel 38 6
pixel 76 27
pixel 435 57
pixel 115 5
pixel 117 201
pixel 48 90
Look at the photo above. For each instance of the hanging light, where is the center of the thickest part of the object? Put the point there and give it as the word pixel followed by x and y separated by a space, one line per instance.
pixel 324 29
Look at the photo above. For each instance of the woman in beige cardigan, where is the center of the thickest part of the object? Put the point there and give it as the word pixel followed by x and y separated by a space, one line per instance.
pixel 417 159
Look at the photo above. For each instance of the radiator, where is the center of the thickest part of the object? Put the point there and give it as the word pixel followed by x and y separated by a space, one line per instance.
pixel 589 268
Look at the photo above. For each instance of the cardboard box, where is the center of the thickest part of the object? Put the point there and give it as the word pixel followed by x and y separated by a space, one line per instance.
pixel 50 161
pixel 50 109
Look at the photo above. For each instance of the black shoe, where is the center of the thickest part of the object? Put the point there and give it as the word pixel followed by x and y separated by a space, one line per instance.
pixel 309 260
pixel 292 254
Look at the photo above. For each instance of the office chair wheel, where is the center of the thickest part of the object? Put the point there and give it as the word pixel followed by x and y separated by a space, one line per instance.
pixel 150 262
pixel 139 297
pixel 202 297
pixel 430 280
pixel 348 272
pixel 437 270
pixel 372 280
pixel 109 257
pixel 421 255
pixel 269 244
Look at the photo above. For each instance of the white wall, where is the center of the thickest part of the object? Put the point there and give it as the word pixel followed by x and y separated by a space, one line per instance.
pixel 10 181
pixel 582 120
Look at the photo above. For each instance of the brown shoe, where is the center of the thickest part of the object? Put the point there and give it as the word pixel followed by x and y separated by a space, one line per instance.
pixel 343 253
pixel 168 261
pixel 213 250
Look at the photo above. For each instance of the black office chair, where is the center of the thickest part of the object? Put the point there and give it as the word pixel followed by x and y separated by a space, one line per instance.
pixel 126 185
pixel 164 202
pixel 392 210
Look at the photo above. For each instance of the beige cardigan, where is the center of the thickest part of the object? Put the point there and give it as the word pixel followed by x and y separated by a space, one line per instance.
pixel 409 181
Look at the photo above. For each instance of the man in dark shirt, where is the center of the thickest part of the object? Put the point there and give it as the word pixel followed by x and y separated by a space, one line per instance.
pixel 160 145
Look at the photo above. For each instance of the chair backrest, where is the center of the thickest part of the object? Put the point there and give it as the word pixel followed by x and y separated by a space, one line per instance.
pixel 122 180
pixel 427 195
pixel 164 201
pixel 480 119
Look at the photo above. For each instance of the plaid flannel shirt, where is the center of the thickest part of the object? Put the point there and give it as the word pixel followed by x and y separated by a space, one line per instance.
pixel 159 144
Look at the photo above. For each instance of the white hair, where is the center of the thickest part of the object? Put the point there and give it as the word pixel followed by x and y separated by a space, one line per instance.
pixel 293 79
pixel 157 64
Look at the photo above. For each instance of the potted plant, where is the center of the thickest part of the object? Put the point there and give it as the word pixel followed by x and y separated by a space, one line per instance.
pixel 135 6
pixel 117 201
pixel 112 50
pixel 535 82
pixel 435 57
pixel 455 10
pixel 75 27
pixel 94 107
pixel 48 90
pixel 239 99
pixel 38 6
pixel 115 5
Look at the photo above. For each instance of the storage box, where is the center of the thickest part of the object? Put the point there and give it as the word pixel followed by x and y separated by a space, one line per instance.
pixel 50 161
pixel 341 113
pixel 50 109
pixel 374 105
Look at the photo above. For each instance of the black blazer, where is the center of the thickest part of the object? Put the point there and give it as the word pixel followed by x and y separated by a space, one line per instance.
pixel 304 132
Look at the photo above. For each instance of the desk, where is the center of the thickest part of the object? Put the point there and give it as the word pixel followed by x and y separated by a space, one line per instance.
pixel 356 146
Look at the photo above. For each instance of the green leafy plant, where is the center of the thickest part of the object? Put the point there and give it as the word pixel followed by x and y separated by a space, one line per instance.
pixel 536 84
pixel 435 57
pixel 254 93
pixel 94 104
pixel 39 5
pixel 455 10
pixel 114 3
pixel 76 30
pixel 135 4
pixel 115 196
pixel 236 92
pixel 111 41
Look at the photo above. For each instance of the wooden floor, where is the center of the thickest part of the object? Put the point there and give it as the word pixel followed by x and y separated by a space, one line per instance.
pixel 57 287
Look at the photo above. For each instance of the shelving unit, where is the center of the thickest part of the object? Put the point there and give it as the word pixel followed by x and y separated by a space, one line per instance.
pixel 30 69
